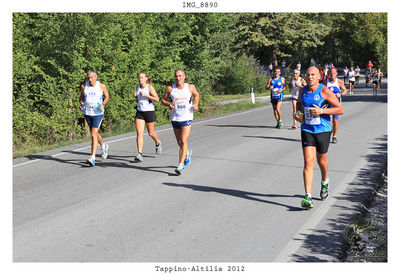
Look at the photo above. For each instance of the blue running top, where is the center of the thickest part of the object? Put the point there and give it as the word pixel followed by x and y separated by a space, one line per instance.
pixel 314 124
pixel 276 86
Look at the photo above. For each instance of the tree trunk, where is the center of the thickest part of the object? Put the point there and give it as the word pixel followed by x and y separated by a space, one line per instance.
pixel 274 56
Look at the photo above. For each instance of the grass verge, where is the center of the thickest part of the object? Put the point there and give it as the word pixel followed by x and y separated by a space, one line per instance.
pixel 212 110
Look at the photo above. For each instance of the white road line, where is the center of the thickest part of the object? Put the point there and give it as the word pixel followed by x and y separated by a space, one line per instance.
pixel 125 138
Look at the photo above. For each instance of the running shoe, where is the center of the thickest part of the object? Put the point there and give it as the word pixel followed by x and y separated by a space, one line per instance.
pixel 179 170
pixel 324 190
pixel 91 162
pixel 158 148
pixel 139 158
pixel 277 125
pixel 188 157
pixel 280 124
pixel 104 151
pixel 294 126
pixel 334 140
pixel 307 202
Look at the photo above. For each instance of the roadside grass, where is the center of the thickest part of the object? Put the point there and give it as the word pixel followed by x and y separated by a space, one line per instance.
pixel 212 110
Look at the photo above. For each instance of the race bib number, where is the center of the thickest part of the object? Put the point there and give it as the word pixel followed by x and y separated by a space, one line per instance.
pixel 180 105
pixel 90 107
pixel 309 118
pixel 276 93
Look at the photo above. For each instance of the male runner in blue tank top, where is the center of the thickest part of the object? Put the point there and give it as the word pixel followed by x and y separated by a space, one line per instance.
pixel 277 84
pixel 314 100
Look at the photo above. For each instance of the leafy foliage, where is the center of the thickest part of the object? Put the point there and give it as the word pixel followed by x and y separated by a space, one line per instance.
pixel 220 53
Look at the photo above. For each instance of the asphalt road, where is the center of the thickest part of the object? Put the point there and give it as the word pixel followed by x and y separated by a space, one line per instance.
pixel 239 200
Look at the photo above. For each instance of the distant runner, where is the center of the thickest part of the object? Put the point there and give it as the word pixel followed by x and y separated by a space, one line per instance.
pixel 92 105
pixel 358 71
pixel 314 100
pixel 277 85
pixel 181 107
pixel 339 89
pixel 352 80
pixel 375 80
pixel 296 83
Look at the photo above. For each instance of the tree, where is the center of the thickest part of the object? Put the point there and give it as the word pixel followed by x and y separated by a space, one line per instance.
pixel 281 34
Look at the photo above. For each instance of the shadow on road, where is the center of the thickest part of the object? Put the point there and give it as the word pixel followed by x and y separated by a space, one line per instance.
pixel 240 194
pixel 278 138
pixel 118 161
pixel 365 98
pixel 240 126
pixel 330 241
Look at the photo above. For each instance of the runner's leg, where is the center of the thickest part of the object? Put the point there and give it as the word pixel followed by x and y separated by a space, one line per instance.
pixel 335 126
pixel 323 165
pixel 294 102
pixel 309 153
pixel 139 137
pixel 152 133
pixel 95 139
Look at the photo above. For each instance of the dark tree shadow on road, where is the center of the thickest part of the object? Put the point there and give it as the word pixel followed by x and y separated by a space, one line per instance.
pixel 119 161
pixel 240 126
pixel 365 98
pixel 331 241
pixel 241 194
pixel 278 138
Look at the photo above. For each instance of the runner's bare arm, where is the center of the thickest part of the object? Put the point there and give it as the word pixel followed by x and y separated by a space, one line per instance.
pixel 335 109
pixel 164 99
pixel 284 84
pixel 106 94
pixel 153 94
pixel 196 96
pixel 343 87
pixel 81 97
pixel 299 107
pixel 268 86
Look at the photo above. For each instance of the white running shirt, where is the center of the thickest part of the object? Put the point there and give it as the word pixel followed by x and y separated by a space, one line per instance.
pixel 183 110
pixel 296 89
pixel 351 76
pixel 93 98
pixel 144 104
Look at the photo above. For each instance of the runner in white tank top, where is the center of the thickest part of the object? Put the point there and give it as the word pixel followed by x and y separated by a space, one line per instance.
pixel 144 103
pixel 92 105
pixel 295 86
pixel 182 109
pixel 182 100
pixel 146 114
pixel 337 87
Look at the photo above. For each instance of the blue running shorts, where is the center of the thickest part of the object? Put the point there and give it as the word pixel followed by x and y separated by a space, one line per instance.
pixel 94 121
pixel 180 124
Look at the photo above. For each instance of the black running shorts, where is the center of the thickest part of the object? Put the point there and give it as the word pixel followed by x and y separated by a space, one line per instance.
pixel 148 117
pixel 275 101
pixel 320 140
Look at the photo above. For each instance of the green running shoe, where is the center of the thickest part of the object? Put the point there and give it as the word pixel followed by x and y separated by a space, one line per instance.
pixel 307 202
pixel 179 170
pixel 280 124
pixel 324 190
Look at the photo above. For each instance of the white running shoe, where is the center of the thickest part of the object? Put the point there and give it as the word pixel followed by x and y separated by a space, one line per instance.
pixel 91 162
pixel 158 148
pixel 139 158
pixel 104 151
